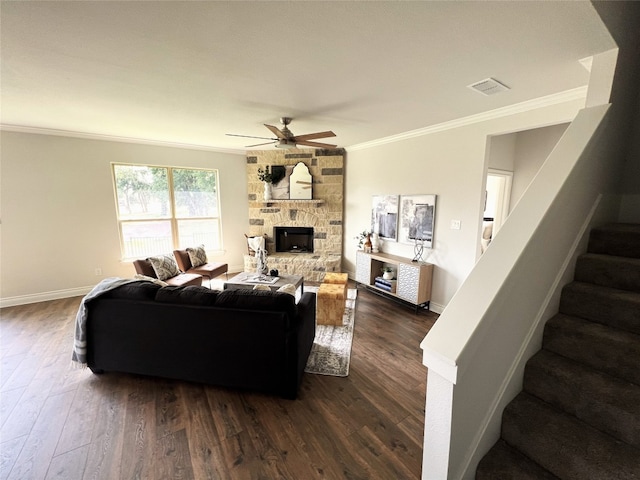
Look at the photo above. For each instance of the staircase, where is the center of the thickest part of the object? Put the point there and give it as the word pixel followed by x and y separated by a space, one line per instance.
pixel 578 416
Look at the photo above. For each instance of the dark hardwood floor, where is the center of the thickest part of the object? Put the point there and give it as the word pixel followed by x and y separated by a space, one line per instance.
pixel 58 422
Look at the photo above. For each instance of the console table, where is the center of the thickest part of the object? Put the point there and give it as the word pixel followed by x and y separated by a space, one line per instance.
pixel 413 279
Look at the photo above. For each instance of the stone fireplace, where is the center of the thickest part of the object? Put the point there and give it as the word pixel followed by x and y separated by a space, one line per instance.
pixel 323 212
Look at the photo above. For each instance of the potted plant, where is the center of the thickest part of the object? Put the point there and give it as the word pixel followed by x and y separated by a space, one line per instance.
pixel 362 237
pixel 266 177
pixel 387 272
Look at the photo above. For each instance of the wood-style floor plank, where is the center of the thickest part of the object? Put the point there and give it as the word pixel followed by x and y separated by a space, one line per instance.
pixel 58 422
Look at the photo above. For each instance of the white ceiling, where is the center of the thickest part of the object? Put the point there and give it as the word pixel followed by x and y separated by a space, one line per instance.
pixel 189 72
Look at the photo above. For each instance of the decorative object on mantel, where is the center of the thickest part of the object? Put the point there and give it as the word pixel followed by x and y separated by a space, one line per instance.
pixel 280 181
pixel 266 177
pixel 267 192
pixel 417 220
pixel 300 183
pixel 384 216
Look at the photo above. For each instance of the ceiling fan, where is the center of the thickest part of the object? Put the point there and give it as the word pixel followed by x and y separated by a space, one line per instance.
pixel 286 139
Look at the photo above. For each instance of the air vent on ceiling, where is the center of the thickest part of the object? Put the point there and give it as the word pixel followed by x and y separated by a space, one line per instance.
pixel 488 86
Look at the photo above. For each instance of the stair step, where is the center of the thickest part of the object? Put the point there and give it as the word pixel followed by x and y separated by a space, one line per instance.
pixel 506 463
pixel 610 306
pixel 621 239
pixel 609 350
pixel 609 271
pixel 604 402
pixel 565 446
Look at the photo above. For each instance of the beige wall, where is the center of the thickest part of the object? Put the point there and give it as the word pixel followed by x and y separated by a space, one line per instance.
pixel 58 210
pixel 450 164
pixel 532 148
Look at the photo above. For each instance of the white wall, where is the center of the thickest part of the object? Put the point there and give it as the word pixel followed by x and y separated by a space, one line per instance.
pixel 450 164
pixel 58 210
pixel 532 148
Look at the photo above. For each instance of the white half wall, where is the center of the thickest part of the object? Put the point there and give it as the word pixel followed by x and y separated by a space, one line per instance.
pixel 59 212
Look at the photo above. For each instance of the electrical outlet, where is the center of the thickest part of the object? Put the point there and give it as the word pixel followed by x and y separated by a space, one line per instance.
pixel 455 224
pixel 98 271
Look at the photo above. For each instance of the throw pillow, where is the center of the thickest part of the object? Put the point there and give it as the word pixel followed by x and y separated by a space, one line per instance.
pixel 288 288
pixel 165 266
pixel 262 287
pixel 197 256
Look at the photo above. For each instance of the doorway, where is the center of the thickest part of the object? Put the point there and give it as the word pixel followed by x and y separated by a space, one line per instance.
pixel 496 205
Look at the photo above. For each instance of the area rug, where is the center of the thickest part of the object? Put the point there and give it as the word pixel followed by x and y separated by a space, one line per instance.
pixel 331 351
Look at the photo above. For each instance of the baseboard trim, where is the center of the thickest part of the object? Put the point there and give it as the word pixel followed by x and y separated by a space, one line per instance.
pixel 43 297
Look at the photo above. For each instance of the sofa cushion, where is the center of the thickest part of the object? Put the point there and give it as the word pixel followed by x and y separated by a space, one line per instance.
pixel 258 300
pixel 197 256
pixel 133 291
pixel 165 266
pixel 189 295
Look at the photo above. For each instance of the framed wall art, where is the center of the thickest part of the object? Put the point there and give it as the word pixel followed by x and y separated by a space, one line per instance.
pixel 417 217
pixel 384 216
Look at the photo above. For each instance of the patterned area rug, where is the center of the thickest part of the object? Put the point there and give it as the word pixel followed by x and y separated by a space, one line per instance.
pixel 331 351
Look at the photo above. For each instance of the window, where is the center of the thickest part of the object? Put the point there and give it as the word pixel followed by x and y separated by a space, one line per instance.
pixel 161 209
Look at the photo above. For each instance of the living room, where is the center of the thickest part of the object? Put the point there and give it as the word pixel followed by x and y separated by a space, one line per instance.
pixel 59 216
pixel 43 195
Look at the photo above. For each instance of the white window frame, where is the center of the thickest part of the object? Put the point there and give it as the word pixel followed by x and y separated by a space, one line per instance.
pixel 171 216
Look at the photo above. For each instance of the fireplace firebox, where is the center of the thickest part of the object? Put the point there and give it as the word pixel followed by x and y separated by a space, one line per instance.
pixel 293 239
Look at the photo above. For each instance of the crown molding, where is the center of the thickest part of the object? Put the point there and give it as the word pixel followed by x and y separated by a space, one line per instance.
pixel 115 138
pixel 579 93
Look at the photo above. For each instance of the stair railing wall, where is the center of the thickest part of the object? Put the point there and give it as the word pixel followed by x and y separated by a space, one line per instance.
pixel 476 351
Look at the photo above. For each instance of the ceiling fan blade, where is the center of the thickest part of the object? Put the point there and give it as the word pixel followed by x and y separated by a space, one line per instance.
pixel 259 144
pixel 276 131
pixel 315 144
pixel 249 136
pixel 311 136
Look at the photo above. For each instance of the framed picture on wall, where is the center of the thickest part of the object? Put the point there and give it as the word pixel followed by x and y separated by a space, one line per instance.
pixel 417 217
pixel 384 216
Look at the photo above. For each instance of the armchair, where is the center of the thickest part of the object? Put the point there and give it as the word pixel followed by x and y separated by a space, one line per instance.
pixel 210 270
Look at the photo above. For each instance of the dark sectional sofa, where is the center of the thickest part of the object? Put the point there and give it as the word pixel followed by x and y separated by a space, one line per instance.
pixel 245 339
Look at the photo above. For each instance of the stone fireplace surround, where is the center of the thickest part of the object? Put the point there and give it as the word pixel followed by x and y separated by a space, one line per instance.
pixel 324 212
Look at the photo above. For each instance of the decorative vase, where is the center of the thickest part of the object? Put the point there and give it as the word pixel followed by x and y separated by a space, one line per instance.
pixel 375 243
pixel 367 244
pixel 387 275
pixel 267 191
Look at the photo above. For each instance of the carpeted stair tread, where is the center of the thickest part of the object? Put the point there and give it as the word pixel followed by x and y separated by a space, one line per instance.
pixel 565 446
pixel 505 463
pixel 609 271
pixel 609 350
pixel 610 306
pixel 620 239
pixel 607 403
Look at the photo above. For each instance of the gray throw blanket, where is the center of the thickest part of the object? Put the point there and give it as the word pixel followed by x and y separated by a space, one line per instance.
pixel 79 356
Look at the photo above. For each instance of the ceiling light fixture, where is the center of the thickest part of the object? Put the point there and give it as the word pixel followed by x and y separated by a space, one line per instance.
pixel 283 143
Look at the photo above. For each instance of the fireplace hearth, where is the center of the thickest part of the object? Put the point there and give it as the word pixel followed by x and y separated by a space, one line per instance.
pixel 293 239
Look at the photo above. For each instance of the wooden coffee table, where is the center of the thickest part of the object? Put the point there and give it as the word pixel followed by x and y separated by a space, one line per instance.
pixel 246 280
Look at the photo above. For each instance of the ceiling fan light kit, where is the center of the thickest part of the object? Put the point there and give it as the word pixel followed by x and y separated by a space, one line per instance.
pixel 286 139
